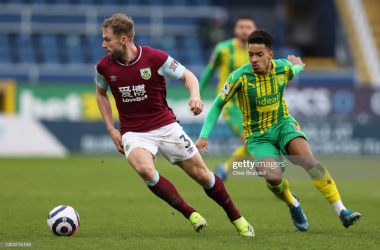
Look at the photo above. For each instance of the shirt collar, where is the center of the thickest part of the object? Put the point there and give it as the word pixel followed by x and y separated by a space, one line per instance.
pixel 135 60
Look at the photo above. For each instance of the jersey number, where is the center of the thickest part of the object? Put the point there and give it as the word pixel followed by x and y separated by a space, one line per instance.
pixel 185 140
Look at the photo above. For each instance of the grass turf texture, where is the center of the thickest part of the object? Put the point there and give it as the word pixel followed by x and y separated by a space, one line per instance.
pixel 118 211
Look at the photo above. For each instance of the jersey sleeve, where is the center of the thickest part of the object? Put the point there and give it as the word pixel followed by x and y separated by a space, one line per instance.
pixel 100 79
pixel 231 87
pixel 293 69
pixel 212 117
pixel 207 74
pixel 172 69
pixel 215 57
pixel 297 69
pixel 292 74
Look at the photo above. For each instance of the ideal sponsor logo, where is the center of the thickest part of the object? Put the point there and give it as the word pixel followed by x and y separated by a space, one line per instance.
pixel 268 103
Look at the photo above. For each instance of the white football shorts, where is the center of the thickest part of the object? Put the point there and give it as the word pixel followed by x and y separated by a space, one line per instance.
pixel 170 140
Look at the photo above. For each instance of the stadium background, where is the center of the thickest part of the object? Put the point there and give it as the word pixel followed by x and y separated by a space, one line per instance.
pixel 49 49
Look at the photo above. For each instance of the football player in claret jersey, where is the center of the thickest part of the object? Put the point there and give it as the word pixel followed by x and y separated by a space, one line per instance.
pixel 270 129
pixel 136 76
pixel 228 56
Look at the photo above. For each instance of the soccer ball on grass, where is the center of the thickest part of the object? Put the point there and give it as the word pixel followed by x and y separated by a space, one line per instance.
pixel 63 220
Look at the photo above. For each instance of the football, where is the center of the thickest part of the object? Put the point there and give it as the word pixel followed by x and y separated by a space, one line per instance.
pixel 63 220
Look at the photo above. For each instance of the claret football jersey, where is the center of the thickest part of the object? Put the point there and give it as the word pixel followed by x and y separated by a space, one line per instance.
pixel 139 88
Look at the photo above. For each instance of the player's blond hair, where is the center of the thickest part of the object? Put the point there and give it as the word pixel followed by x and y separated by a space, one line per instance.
pixel 121 25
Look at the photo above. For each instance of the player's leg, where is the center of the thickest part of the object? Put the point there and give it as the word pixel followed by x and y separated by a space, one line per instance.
pixel 294 144
pixel 268 161
pixel 215 189
pixel 142 161
pixel 140 155
pixel 211 183
pixel 300 153
pixel 179 149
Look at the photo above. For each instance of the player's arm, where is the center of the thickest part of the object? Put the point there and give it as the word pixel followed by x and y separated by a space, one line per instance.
pixel 207 74
pixel 298 65
pixel 192 85
pixel 176 71
pixel 104 105
pixel 211 119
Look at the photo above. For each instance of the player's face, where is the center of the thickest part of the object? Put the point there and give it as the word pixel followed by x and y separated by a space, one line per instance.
pixel 260 58
pixel 112 44
pixel 244 28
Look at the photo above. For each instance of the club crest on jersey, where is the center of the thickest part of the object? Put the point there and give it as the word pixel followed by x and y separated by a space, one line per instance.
pixel 113 78
pixel 145 73
pixel 281 79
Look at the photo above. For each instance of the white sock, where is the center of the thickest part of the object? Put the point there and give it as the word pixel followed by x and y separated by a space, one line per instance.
pixel 338 206
pixel 212 183
pixel 294 203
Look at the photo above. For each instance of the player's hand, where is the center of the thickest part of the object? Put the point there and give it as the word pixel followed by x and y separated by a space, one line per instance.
pixel 196 105
pixel 296 60
pixel 116 137
pixel 202 143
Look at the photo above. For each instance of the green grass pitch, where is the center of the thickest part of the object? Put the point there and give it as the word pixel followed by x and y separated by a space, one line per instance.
pixel 118 211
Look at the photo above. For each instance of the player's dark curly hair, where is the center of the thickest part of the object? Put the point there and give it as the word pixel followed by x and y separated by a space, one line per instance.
pixel 261 36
